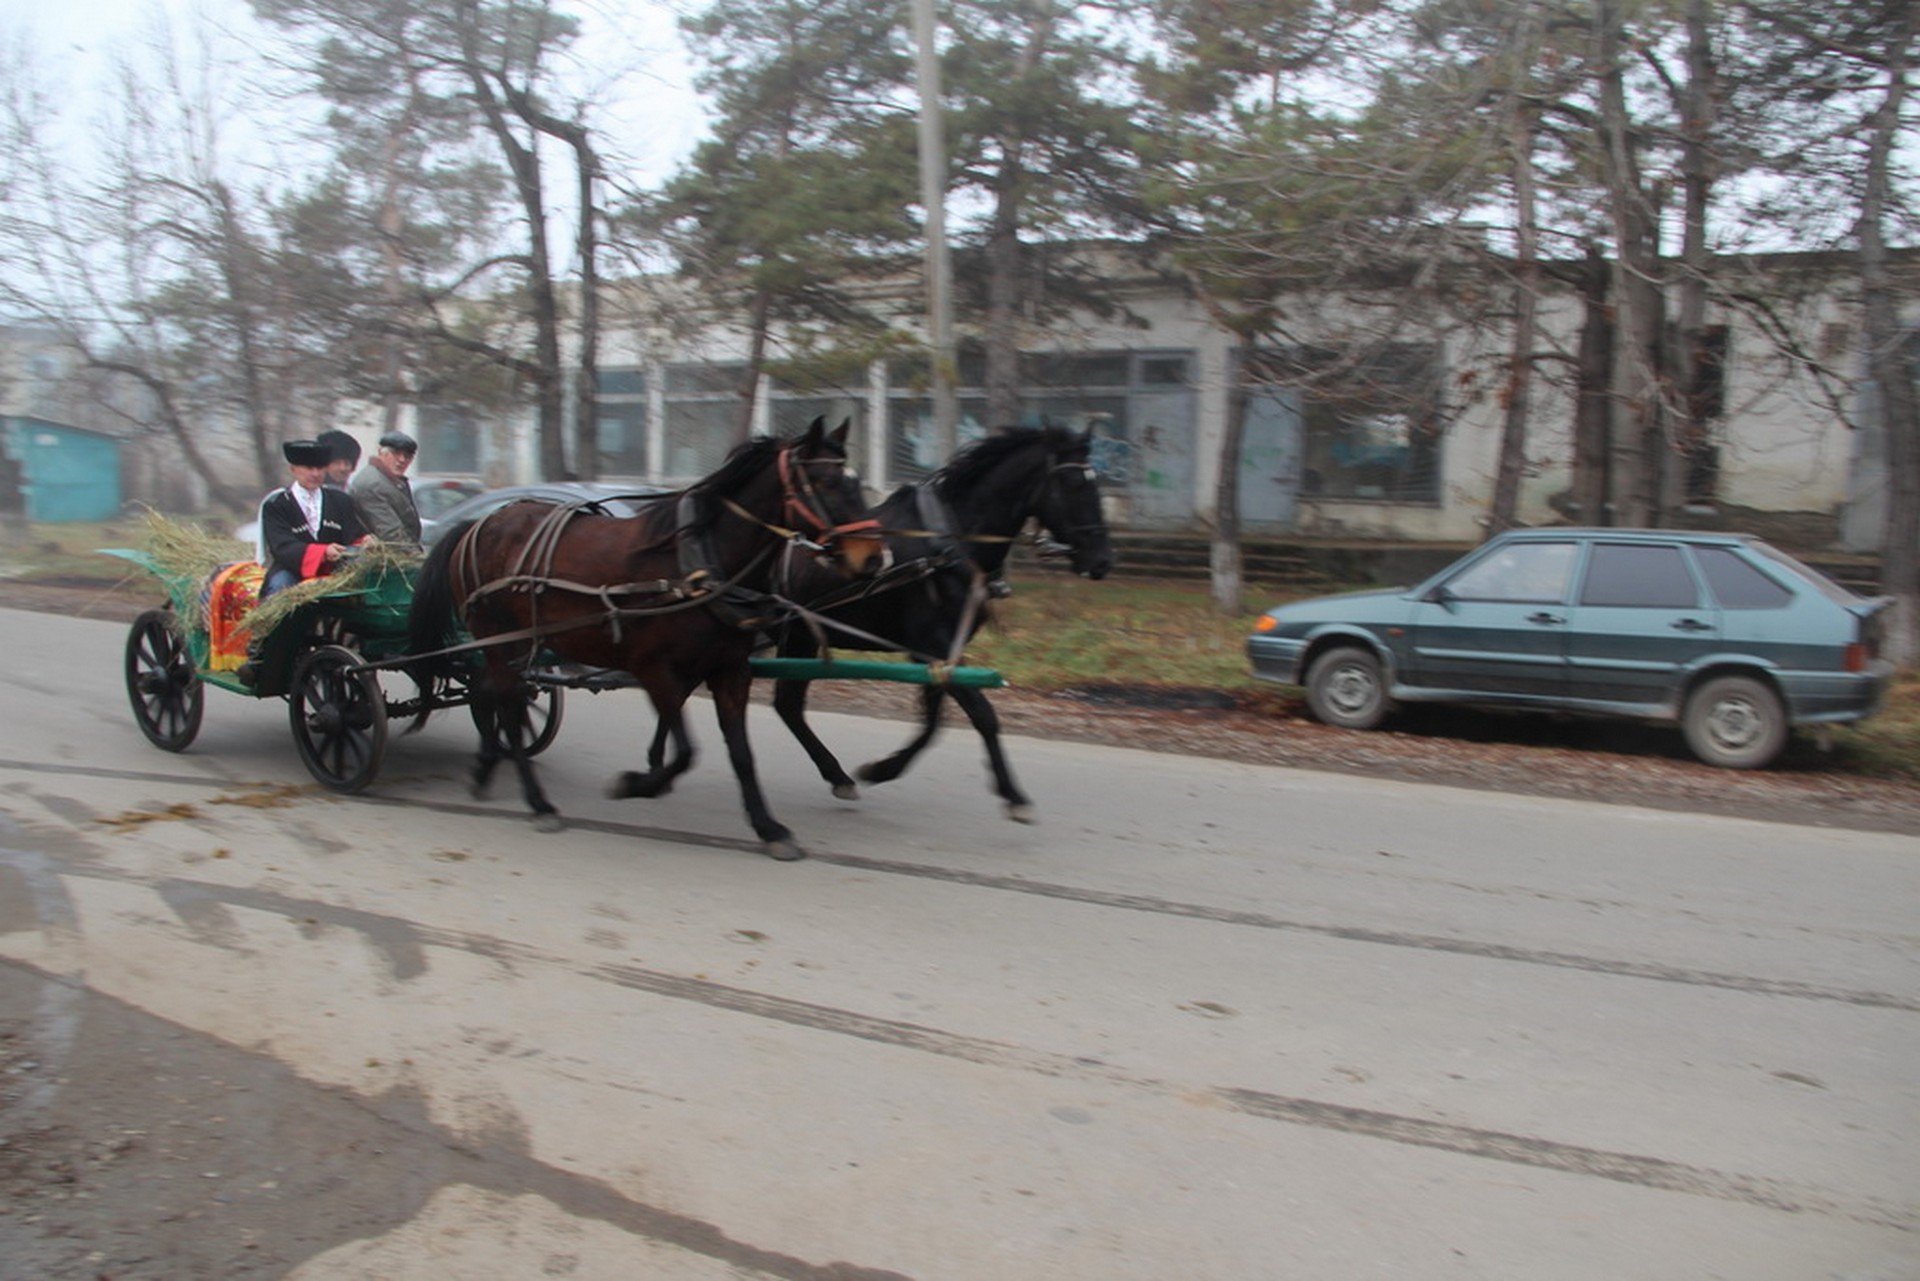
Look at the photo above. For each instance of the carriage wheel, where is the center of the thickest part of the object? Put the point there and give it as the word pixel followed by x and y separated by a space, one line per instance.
pixel 339 718
pixel 546 704
pixel 168 698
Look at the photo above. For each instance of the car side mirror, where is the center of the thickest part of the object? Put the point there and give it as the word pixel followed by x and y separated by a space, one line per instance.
pixel 1438 595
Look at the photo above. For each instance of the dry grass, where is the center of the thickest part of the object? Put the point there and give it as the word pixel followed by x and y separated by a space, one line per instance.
pixel 1055 632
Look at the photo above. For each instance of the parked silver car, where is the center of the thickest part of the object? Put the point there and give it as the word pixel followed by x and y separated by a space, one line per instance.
pixel 1733 639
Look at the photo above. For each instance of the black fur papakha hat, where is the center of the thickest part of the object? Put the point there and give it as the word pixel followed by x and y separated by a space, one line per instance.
pixel 306 453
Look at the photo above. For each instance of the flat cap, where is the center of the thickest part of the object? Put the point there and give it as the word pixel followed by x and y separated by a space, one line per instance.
pixel 399 442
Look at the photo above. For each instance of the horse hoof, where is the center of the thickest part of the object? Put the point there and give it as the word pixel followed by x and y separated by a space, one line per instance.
pixel 549 823
pixel 632 783
pixel 846 791
pixel 872 773
pixel 1020 813
pixel 784 851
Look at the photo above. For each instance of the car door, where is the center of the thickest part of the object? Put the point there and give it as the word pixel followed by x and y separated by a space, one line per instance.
pixel 1498 626
pixel 1639 622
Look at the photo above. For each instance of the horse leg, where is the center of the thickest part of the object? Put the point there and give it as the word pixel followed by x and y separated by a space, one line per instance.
pixel 790 700
pixel 657 750
pixel 671 726
pixel 892 767
pixel 506 708
pixel 979 710
pixel 730 705
pixel 486 717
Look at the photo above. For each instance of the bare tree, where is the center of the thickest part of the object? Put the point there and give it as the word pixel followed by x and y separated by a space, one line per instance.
pixel 157 265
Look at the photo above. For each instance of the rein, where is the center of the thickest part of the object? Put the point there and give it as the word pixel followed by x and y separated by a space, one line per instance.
pixel 700 584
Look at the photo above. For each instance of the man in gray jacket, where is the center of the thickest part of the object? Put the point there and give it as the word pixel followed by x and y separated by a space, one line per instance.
pixel 383 494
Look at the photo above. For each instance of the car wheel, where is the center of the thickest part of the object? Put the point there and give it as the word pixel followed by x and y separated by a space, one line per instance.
pixel 1735 722
pixel 1345 687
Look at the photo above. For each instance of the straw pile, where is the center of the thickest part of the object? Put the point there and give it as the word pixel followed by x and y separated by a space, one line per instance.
pixel 184 551
pixel 370 561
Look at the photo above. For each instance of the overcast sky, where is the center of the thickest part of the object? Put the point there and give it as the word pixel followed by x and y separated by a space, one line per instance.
pixel 630 55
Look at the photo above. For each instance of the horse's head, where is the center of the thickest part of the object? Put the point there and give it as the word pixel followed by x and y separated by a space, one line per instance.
pixel 1068 503
pixel 824 501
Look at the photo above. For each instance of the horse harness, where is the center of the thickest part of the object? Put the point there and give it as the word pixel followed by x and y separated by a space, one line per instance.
pixel 949 548
pixel 701 584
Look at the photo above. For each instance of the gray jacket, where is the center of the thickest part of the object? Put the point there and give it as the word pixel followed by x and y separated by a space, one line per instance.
pixel 386 506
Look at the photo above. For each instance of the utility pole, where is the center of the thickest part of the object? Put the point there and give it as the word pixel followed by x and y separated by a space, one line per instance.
pixel 933 198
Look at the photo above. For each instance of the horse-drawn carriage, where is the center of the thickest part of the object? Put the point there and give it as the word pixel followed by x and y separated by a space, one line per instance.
pixel 325 657
pixel 777 548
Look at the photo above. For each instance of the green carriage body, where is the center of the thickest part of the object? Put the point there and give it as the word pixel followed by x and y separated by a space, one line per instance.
pixel 370 608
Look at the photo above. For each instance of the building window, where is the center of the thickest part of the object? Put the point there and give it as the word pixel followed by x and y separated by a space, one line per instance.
pixel 1372 431
pixel 620 431
pixel 702 417
pixel 913 444
pixel 1083 391
pixel 449 439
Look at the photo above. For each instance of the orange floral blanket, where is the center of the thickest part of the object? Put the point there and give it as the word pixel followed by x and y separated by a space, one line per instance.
pixel 232 593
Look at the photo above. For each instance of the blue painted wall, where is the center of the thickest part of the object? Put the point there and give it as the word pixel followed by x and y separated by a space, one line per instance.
pixel 68 473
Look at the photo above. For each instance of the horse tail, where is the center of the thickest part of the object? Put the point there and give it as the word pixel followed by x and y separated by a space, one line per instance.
pixel 431 625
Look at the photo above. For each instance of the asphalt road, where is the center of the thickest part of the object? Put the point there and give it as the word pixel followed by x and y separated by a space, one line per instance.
pixel 1203 1020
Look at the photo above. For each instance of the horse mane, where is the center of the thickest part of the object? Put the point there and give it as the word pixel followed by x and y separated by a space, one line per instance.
pixel 971 465
pixel 744 460
pixel 661 519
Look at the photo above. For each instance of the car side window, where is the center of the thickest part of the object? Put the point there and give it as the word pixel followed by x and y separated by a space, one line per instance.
pixel 1523 572
pixel 1639 576
pixel 1737 584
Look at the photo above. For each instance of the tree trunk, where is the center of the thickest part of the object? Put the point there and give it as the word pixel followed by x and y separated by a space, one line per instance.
pixel 1635 411
pixel 1003 304
pixel 585 445
pixel 1891 363
pixel 14 527
pixel 1526 299
pixel 748 392
pixel 1225 557
pixel 523 162
pixel 1592 494
pixel 176 426
pixel 586 406
pixel 1687 358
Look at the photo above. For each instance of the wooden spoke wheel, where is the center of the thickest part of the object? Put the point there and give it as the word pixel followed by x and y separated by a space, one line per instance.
pixel 165 690
pixel 546 705
pixel 339 718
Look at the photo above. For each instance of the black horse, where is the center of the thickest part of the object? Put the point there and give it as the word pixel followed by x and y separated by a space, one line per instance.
pixel 674 596
pixel 948 539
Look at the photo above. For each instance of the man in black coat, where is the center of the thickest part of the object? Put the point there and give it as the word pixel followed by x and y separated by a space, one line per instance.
pixel 305 527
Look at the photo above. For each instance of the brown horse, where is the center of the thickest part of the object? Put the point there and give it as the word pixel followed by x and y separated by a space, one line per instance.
pixel 673 596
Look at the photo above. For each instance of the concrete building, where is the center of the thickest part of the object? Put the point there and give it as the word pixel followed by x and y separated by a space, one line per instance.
pixel 1403 447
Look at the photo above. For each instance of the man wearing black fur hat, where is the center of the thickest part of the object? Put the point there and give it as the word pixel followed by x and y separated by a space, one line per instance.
pixel 306 528
pixel 343 455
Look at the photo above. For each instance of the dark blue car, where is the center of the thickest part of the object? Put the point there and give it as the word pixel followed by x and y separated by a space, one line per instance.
pixel 1736 641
